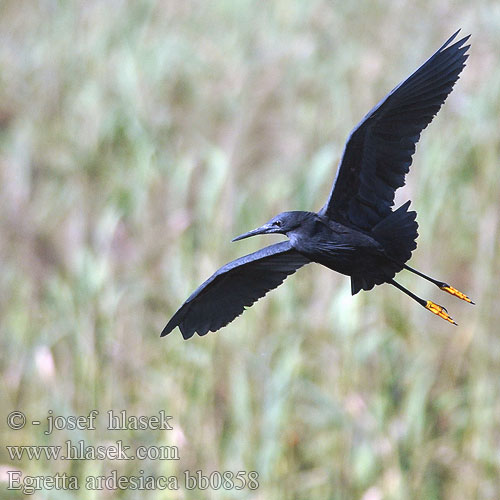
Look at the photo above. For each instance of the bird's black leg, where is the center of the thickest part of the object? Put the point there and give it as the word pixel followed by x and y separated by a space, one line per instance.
pixel 443 286
pixel 429 305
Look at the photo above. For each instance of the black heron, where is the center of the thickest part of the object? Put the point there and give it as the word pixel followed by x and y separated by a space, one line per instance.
pixel 356 232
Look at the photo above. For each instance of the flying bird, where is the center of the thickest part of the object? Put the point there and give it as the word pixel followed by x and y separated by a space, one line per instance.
pixel 356 232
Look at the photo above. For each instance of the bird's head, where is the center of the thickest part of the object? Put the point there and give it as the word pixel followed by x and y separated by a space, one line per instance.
pixel 282 223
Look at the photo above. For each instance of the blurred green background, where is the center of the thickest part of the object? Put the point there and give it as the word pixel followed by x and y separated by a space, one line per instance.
pixel 137 138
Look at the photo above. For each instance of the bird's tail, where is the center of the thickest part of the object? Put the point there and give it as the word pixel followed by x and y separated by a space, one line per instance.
pixel 397 234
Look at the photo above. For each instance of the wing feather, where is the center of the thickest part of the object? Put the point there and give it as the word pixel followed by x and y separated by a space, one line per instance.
pixel 379 151
pixel 233 287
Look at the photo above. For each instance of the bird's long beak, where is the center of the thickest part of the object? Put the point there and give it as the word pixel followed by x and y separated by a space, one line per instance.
pixel 266 228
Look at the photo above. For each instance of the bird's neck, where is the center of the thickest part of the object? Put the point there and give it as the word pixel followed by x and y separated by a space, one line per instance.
pixel 310 225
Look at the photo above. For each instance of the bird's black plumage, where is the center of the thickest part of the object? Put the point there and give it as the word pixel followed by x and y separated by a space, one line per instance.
pixel 378 153
pixel 356 232
pixel 235 286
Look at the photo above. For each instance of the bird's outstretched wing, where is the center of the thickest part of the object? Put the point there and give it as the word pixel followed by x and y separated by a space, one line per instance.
pixel 233 287
pixel 378 153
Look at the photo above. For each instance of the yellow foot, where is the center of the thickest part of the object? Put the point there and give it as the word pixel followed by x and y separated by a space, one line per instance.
pixel 456 293
pixel 440 311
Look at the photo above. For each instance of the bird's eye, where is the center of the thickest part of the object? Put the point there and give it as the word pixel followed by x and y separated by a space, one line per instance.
pixel 277 223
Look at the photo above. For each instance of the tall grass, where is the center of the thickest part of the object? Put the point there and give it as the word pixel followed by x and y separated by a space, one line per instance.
pixel 137 138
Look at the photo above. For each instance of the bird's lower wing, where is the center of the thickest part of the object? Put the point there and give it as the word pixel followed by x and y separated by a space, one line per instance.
pixel 233 287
